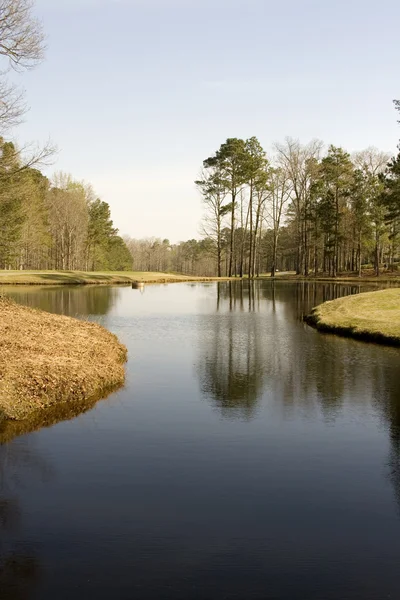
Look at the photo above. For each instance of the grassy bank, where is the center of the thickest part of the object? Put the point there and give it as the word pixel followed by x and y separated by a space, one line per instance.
pixel 129 277
pixel 90 278
pixel 48 359
pixel 371 316
pixel 367 277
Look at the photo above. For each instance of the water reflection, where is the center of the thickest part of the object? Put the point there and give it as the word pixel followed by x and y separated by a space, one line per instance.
pixel 66 300
pixel 250 344
pixel 270 352
pixel 232 365
pixel 20 569
pixel 274 357
pixel 19 575
pixel 146 504
pixel 387 398
pixel 39 419
pixel 300 297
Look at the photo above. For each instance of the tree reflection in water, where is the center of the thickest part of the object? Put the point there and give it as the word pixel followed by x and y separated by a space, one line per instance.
pixel 252 347
pixel 66 300
pixel 388 385
pixel 247 346
pixel 231 370
pixel 254 353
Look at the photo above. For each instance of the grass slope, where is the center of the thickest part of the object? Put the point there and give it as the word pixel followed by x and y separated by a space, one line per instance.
pixel 47 359
pixel 371 316
pixel 98 277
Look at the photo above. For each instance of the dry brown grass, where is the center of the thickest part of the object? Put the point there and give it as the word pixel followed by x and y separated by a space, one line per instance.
pixel 47 359
pixel 371 316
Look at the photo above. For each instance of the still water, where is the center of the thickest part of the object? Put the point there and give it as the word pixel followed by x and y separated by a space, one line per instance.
pixel 248 457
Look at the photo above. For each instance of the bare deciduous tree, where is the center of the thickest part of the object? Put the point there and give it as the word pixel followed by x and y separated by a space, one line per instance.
pixel 68 219
pixel 296 159
pixel 28 157
pixel 21 47
pixel 214 195
pixel 281 192
pixel 12 105
pixel 21 34
pixel 371 161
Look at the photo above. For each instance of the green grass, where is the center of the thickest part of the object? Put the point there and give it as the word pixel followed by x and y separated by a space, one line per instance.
pixel 385 277
pixel 97 277
pixel 127 277
pixel 371 316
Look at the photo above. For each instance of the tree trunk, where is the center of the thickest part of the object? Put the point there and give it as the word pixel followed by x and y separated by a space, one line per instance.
pixel 336 244
pixel 251 230
pixel 232 234
pixel 219 247
pixel 299 247
pixel 377 257
pixel 274 252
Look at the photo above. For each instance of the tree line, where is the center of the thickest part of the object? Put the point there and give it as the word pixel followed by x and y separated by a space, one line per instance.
pixel 301 209
pixel 193 257
pixel 57 224
pixel 44 224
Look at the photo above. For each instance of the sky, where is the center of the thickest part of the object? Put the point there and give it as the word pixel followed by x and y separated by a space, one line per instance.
pixel 137 93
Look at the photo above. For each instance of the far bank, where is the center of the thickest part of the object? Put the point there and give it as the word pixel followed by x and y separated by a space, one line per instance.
pixel 369 316
pixel 95 277
pixel 151 277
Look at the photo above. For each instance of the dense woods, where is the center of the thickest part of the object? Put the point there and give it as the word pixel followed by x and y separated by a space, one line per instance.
pixel 305 208
pixel 57 224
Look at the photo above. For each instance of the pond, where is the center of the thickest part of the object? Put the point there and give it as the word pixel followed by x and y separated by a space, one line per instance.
pixel 247 457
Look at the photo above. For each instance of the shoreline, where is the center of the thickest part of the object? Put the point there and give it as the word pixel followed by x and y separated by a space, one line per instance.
pixel 370 317
pixel 48 360
pixel 345 279
pixel 96 278
pixel 47 417
pixel 50 363
pixel 76 278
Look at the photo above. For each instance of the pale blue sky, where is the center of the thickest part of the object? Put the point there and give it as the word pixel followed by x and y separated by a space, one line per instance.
pixel 136 93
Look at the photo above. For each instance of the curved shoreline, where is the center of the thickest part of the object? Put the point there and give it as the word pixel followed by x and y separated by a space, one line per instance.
pixel 48 359
pixel 369 316
pixel 51 415
pixel 95 278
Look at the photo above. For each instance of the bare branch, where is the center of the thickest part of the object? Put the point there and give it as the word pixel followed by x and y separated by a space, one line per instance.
pixel 12 106
pixel 21 47
pixel 29 157
pixel 21 34
pixel 371 160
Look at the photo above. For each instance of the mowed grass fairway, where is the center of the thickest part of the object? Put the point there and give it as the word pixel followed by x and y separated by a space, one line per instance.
pixel 88 278
pixel 128 277
pixel 372 316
